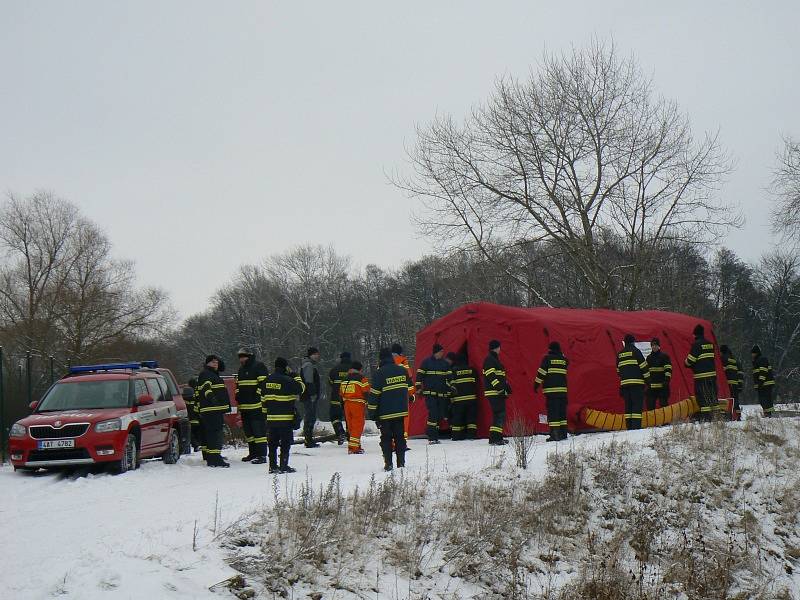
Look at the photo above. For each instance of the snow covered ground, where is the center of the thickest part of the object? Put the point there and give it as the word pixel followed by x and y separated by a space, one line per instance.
pixel 155 533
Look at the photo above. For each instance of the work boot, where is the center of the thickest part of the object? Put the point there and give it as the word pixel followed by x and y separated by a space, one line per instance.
pixel 259 460
pixel 401 460
pixel 285 468
pixel 551 438
pixel 247 458
pixel 218 462
pixel 274 470
pixel 310 443
pixel 356 451
pixel 388 467
pixel 433 442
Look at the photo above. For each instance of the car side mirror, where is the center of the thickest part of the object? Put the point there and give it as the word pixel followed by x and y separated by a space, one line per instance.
pixel 33 405
pixel 144 400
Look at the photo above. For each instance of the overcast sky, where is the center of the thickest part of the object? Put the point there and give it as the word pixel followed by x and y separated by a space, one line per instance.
pixel 205 135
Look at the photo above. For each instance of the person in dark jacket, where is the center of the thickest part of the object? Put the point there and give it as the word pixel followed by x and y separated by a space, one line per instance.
pixel 310 398
pixel 214 403
pixel 633 374
pixel 463 383
pixel 552 377
pixel 280 393
pixel 735 376
pixel 702 361
pixel 388 405
pixel 336 376
pixel 190 398
pixel 496 390
pixel 763 380
pixel 432 377
pixel 660 367
pixel 249 382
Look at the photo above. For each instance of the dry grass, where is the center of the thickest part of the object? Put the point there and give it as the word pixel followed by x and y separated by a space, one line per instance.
pixel 706 512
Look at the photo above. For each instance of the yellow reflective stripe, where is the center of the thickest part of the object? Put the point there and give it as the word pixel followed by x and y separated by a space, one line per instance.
pixel 496 429
pixel 553 371
pixel 396 386
pixel 394 415
pixel 273 417
pixel 247 382
pixel 462 398
pixel 250 406
pixel 275 398
pixel 632 381
pixel 627 363
pixel 213 408
pixel 463 380
pixel 553 390
pixel 706 375
pixel 706 355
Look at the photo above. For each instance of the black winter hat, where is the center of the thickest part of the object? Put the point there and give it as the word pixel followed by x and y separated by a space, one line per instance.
pixel 554 347
pixel 211 357
pixel 724 349
pixel 756 349
pixel 655 341
pixel 384 354
pixel 312 351
pixel 356 365
pixel 629 339
pixel 397 349
pixel 281 363
pixel 345 355
pixel 699 330
pixel 244 352
pixel 452 356
pixel 494 345
pixel 437 348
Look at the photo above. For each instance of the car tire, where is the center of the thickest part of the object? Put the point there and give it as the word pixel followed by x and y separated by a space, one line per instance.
pixel 173 452
pixel 130 456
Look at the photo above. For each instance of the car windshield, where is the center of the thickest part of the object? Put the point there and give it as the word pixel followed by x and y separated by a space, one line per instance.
pixel 68 395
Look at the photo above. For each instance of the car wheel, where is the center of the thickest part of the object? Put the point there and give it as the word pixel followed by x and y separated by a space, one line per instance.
pixel 173 451
pixel 130 456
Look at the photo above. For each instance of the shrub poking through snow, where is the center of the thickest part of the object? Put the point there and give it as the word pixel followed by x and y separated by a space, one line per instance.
pixel 700 511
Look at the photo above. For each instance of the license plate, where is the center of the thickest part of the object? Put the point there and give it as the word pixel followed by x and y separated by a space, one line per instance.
pixel 48 444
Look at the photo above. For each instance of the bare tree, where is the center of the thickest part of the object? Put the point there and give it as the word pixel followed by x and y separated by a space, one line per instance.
pixel 786 191
pixel 61 292
pixel 582 152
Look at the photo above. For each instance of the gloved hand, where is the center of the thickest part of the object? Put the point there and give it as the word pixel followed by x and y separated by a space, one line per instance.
pixel 621 391
pixel 666 390
pixel 508 390
pixel 535 387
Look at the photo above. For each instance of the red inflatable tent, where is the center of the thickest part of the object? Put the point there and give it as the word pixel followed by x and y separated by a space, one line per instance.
pixel 590 339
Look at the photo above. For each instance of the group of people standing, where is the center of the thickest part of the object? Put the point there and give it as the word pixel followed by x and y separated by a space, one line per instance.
pixel 649 379
pixel 268 401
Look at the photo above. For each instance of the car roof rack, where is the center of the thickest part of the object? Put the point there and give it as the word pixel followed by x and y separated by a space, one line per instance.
pixel 132 366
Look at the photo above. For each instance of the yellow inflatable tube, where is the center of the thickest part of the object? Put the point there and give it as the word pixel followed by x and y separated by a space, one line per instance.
pixel 606 421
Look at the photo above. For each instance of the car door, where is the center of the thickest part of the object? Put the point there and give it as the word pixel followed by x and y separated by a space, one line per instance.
pixel 152 427
pixel 165 410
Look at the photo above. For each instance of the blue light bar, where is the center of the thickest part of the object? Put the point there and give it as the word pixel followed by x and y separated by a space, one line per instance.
pixel 107 367
pixel 150 364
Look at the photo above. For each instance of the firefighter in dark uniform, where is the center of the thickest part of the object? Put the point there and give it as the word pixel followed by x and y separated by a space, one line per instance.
pixel 660 367
pixel 701 360
pixel 388 406
pixel 633 373
pixel 310 398
pixel 463 383
pixel 279 395
pixel 496 390
pixel 764 381
pixel 336 376
pixel 735 376
pixel 251 377
pixel 552 377
pixel 214 403
pixel 432 378
pixel 190 398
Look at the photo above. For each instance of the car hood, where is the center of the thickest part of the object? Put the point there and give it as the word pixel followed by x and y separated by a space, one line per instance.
pixel 74 416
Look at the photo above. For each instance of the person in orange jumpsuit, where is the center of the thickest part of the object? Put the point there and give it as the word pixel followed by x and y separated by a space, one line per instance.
pixel 354 391
pixel 400 359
